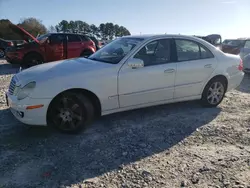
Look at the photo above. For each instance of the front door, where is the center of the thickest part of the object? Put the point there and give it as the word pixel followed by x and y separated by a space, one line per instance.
pixel 152 83
pixel 56 48
pixel 195 64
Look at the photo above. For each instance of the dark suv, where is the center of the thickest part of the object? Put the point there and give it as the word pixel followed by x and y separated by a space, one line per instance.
pixel 49 47
pixel 3 45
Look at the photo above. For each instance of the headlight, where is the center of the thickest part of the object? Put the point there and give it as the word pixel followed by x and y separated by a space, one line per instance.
pixel 26 90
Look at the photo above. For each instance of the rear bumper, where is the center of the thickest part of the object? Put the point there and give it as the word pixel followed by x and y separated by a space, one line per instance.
pixel 235 80
pixel 28 116
pixel 13 57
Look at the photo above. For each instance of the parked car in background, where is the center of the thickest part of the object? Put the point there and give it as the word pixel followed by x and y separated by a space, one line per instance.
pixel 48 47
pixel 214 39
pixel 96 41
pixel 123 75
pixel 246 63
pixel 236 46
pixel 3 45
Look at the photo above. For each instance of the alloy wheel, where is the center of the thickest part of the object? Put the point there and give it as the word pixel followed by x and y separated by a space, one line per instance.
pixel 68 114
pixel 215 93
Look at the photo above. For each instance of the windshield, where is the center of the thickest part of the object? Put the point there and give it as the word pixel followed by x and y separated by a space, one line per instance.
pixel 42 38
pixel 115 51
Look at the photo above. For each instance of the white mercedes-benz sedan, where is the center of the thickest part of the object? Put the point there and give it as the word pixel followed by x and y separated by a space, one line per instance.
pixel 128 73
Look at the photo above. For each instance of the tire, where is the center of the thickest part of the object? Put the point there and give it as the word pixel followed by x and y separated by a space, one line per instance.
pixel 2 53
pixel 214 92
pixel 86 53
pixel 71 113
pixel 32 60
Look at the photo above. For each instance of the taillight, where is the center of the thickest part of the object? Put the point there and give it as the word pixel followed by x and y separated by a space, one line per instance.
pixel 92 43
pixel 10 43
pixel 240 67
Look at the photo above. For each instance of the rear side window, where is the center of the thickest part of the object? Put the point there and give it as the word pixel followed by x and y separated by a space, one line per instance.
pixel 188 50
pixel 84 38
pixel 205 53
pixel 74 38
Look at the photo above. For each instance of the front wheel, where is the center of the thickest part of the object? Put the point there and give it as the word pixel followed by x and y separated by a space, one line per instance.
pixel 32 60
pixel 71 112
pixel 214 92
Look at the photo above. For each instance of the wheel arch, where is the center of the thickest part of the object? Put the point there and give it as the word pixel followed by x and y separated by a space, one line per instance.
pixel 92 96
pixel 32 52
pixel 87 50
pixel 219 76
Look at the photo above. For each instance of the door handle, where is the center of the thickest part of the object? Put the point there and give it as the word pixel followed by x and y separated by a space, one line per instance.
pixel 208 66
pixel 169 71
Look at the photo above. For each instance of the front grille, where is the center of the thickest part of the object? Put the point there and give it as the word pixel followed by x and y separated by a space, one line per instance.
pixel 12 85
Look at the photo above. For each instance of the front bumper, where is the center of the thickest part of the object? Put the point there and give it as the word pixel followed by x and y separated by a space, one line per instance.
pixel 13 57
pixel 19 109
pixel 235 80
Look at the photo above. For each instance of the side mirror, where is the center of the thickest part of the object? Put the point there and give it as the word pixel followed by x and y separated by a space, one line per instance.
pixel 135 63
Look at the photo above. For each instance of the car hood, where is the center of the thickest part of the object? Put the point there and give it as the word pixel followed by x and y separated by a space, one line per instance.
pixel 23 33
pixel 58 68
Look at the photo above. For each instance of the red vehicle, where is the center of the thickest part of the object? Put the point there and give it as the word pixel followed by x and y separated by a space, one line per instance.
pixel 48 47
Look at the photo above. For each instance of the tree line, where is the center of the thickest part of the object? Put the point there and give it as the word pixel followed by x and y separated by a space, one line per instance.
pixel 105 31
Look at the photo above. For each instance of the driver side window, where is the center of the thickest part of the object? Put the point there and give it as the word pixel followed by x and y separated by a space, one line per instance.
pixel 155 53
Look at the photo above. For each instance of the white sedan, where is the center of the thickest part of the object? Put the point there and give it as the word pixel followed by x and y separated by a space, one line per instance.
pixel 128 73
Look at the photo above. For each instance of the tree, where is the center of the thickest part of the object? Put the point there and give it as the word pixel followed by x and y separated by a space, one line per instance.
pixel 105 31
pixel 108 31
pixel 33 26
pixel 51 29
pixel 63 26
pixel 123 31
pixel 94 30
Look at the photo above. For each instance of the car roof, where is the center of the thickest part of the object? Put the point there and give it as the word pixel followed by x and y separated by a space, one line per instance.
pixel 160 35
pixel 66 34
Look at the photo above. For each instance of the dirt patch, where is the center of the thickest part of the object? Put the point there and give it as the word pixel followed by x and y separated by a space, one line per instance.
pixel 177 145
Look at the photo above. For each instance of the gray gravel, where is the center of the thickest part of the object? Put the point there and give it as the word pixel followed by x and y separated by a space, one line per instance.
pixel 177 145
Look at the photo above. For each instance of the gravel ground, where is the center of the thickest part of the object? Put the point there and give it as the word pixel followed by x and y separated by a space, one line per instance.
pixel 177 145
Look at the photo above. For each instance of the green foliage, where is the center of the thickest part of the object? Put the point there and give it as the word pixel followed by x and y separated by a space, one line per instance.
pixel 5 31
pixel 32 25
pixel 105 31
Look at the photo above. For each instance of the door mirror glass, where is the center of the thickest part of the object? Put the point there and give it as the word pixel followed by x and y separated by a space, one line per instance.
pixel 135 63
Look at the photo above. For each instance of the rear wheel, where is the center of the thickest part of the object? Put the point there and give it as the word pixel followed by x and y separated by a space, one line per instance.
pixel 214 92
pixel 2 53
pixel 32 60
pixel 71 112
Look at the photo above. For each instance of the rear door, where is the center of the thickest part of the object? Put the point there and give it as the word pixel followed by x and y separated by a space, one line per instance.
pixel 55 49
pixel 195 64
pixel 74 46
